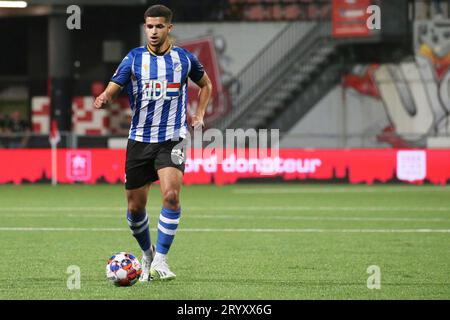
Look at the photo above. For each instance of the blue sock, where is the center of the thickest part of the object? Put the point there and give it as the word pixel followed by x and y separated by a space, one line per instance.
pixel 167 227
pixel 138 224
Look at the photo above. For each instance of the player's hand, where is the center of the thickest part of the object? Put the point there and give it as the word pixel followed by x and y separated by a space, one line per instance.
pixel 197 122
pixel 101 101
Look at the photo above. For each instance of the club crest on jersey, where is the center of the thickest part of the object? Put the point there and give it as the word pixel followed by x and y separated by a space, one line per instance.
pixel 156 90
pixel 177 156
pixel 177 67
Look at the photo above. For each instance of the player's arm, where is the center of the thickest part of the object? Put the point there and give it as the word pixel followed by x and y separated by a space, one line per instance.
pixel 119 80
pixel 204 95
pixel 107 96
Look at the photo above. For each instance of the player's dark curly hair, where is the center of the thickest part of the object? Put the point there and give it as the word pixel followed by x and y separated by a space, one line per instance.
pixel 159 10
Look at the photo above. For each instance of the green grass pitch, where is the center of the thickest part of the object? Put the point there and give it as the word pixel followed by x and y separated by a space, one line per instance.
pixel 247 241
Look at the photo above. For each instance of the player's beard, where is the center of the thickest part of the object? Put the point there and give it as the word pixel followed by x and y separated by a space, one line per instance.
pixel 159 43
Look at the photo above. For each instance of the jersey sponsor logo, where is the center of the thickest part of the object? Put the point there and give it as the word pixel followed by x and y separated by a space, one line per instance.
pixel 156 90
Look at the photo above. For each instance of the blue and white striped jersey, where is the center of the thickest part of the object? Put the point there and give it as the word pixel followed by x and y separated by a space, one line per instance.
pixel 157 87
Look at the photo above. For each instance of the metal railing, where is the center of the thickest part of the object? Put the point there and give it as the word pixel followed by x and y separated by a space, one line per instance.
pixel 272 61
pixel 375 138
pixel 18 140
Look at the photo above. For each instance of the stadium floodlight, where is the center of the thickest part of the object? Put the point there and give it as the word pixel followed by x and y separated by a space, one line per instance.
pixel 13 4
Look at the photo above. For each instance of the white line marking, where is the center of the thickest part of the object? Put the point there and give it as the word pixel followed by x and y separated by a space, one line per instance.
pixel 337 190
pixel 232 208
pixel 60 229
pixel 232 217
pixel 52 209
pixel 308 218
pixel 238 230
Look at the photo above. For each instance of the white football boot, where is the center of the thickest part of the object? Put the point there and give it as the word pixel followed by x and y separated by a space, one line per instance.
pixel 159 270
pixel 146 264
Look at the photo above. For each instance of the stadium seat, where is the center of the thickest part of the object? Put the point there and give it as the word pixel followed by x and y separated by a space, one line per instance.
pixel 292 12
pixel 255 13
pixel 276 12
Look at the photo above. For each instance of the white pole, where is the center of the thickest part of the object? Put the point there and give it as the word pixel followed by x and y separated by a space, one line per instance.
pixel 54 165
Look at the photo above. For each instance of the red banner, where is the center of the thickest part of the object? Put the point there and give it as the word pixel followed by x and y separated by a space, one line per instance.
pixel 350 18
pixel 351 166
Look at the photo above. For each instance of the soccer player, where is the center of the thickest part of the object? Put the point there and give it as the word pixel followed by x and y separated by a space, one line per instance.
pixel 156 79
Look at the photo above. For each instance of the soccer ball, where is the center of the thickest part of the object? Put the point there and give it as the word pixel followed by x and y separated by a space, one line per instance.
pixel 123 269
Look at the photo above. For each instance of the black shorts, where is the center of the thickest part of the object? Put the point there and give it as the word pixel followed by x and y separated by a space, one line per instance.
pixel 143 160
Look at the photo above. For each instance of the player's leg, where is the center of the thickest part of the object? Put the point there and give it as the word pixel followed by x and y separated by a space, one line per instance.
pixel 140 173
pixel 170 179
pixel 137 219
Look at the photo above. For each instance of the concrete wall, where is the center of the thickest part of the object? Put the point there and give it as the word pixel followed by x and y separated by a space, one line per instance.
pixel 400 105
pixel 236 43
